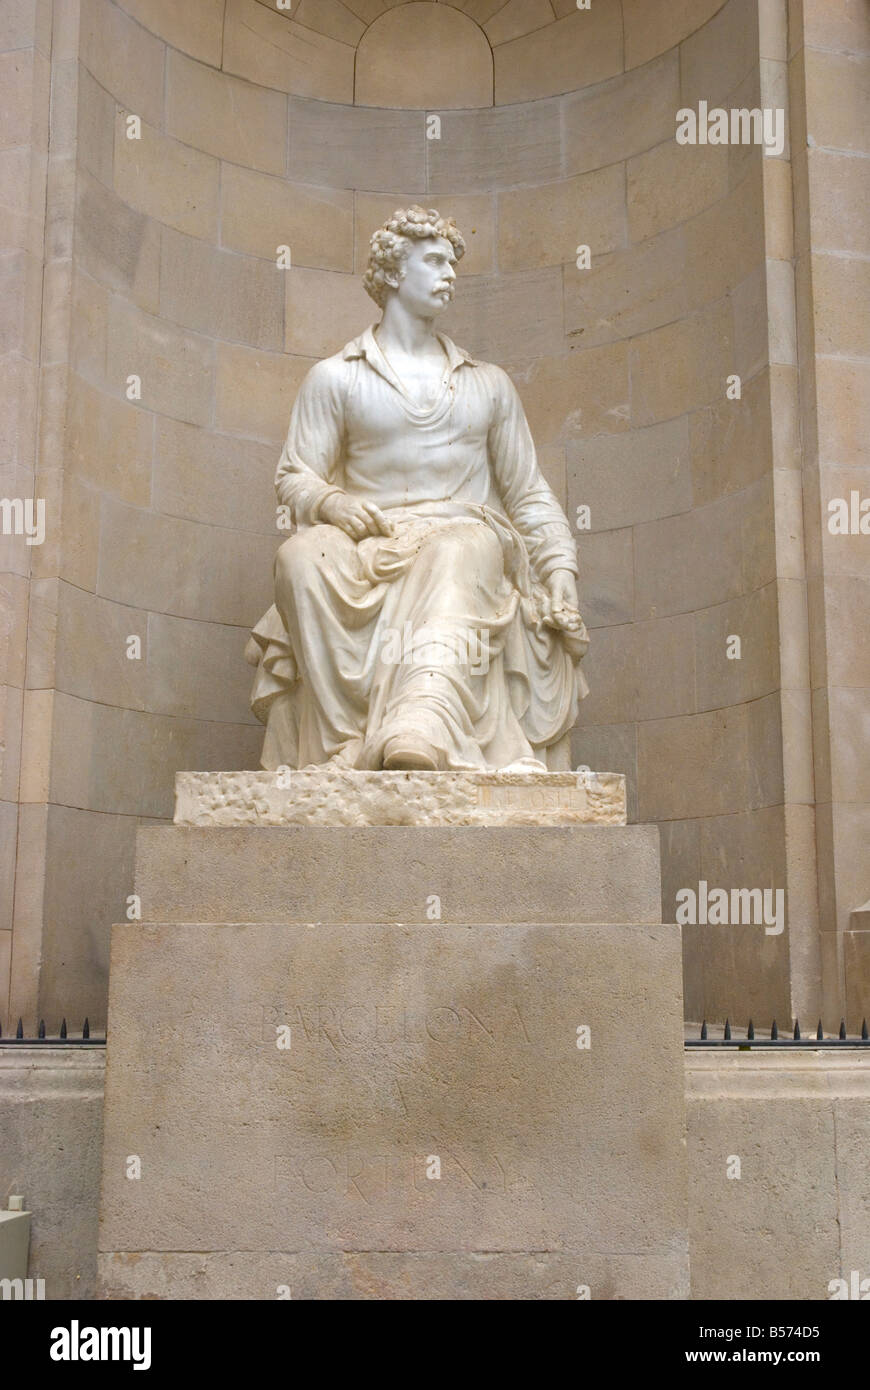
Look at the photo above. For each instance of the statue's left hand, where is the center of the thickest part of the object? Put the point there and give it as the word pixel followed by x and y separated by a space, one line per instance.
pixel 564 603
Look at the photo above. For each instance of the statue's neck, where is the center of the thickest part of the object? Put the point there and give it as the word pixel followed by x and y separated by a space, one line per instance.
pixel 404 333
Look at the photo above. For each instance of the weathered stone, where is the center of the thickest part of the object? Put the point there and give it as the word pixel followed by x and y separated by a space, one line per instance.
pixel 51 1105
pixel 413 1052
pixel 740 1106
pixel 340 796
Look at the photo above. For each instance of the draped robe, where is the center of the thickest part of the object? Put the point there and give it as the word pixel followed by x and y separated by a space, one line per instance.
pixel 437 631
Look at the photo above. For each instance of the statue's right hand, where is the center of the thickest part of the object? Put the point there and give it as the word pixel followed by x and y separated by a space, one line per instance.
pixel 358 519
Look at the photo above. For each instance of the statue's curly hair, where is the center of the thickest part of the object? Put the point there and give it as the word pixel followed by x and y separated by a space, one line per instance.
pixel 390 245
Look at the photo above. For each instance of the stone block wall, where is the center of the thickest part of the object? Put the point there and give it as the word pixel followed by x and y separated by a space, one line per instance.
pixel 792 1213
pixel 795 1218
pixel 261 128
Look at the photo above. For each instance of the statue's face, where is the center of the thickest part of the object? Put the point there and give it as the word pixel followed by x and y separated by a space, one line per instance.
pixel 427 284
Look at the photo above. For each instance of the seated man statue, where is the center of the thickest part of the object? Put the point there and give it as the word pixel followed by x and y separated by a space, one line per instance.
pixel 425 611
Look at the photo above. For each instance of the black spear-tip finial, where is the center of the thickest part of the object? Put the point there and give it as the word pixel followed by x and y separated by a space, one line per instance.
pixel 797 1030
pixel 86 1030
pixel 842 1030
pixel 704 1031
pixel 864 1034
pixel 820 1035
pixel 19 1031
pixel 727 1030
pixel 63 1029
pixel 774 1031
pixel 750 1032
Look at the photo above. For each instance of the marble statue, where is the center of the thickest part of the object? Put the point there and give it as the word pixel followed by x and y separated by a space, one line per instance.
pixel 426 613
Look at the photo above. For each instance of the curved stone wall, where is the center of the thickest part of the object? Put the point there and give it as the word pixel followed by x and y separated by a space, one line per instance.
pixel 262 128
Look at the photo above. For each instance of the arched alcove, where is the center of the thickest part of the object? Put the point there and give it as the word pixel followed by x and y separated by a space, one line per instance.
pixel 423 56
pixel 307 127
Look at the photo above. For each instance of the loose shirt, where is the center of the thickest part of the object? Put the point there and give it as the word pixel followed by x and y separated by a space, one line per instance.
pixel 353 427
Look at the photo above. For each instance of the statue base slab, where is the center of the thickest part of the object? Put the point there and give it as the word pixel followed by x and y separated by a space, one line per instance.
pixel 395 1063
pixel 342 796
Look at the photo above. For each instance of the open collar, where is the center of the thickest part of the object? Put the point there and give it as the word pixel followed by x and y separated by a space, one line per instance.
pixel 365 345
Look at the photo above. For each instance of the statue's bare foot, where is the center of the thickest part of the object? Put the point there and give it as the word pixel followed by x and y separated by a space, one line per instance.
pixel 406 754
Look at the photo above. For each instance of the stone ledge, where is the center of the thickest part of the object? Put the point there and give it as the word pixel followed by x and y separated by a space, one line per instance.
pixel 39 1072
pixel 332 796
pixel 823 1075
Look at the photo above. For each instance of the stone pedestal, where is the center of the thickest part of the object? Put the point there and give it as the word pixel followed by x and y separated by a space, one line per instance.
pixel 346 1060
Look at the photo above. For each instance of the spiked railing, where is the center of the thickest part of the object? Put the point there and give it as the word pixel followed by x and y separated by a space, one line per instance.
pixel 62 1039
pixel 751 1040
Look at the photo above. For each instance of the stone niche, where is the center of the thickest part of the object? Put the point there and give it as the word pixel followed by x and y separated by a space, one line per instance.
pixel 556 128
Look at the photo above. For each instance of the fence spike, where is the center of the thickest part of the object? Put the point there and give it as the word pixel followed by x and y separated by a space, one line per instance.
pixel 864 1034
pixel 774 1031
pixel 86 1030
pixel 40 1032
pixel 727 1030
pixel 842 1030
pixel 797 1030
pixel 704 1031
pixel 63 1029
pixel 820 1036
pixel 19 1031
pixel 750 1032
